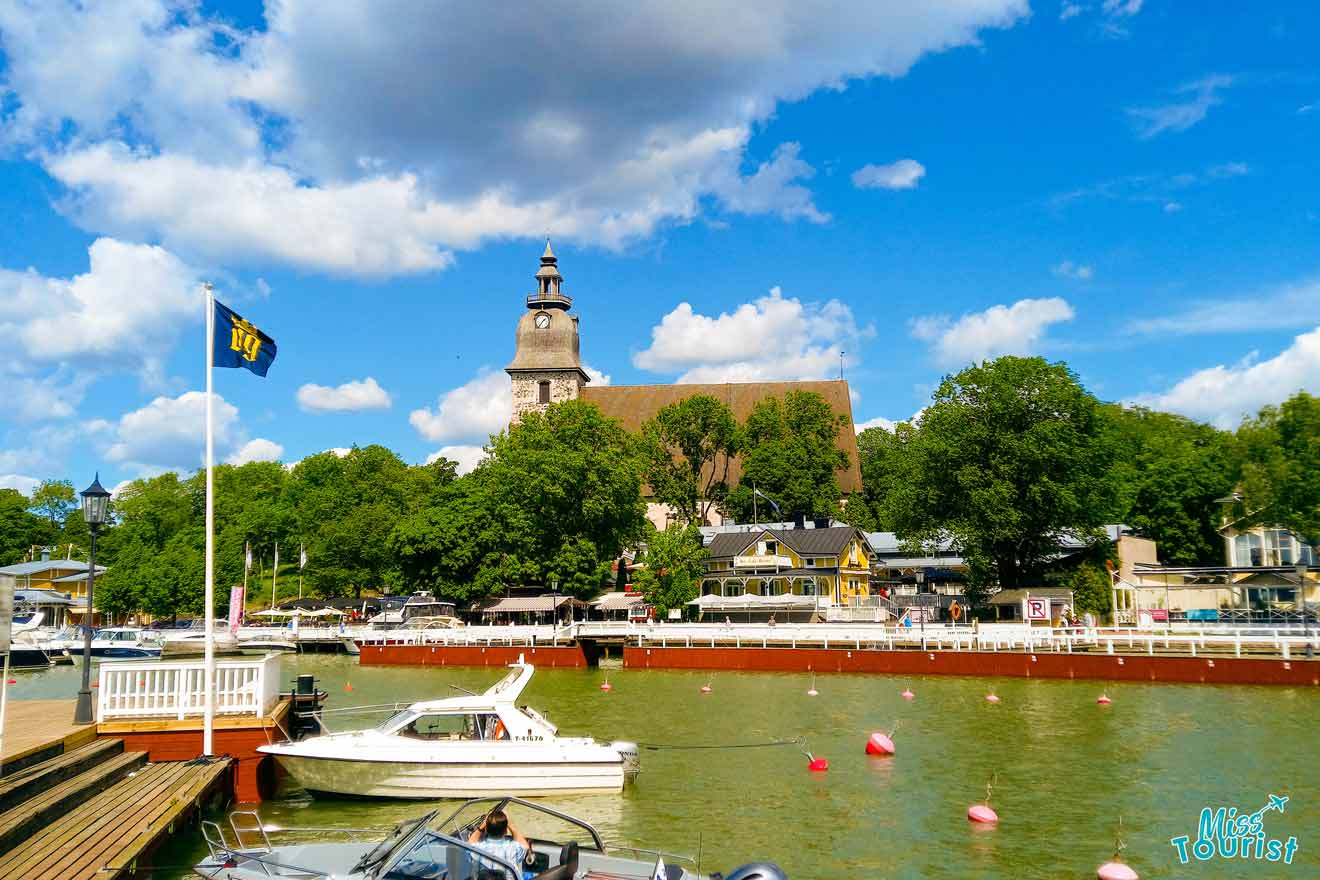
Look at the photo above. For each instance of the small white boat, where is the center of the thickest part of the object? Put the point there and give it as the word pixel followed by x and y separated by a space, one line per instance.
pixel 459 747
pixel 114 642
pixel 420 606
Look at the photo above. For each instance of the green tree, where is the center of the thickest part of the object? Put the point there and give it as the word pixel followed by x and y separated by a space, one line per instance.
pixel 790 454
pixel 672 576
pixel 1280 482
pixel 689 447
pixel 1168 471
pixel 20 528
pixel 1008 455
pixel 53 500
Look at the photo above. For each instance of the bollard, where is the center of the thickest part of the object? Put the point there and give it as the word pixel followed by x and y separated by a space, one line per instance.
pixel 1109 646
pixel 1286 655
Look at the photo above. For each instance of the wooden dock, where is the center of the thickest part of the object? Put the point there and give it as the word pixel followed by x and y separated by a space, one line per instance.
pixel 39 729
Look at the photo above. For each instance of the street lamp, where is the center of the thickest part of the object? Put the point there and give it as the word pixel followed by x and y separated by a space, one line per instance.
pixel 1300 570
pixel 95 501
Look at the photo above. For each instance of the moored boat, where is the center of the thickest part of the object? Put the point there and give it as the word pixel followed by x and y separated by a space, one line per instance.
pixel 459 747
pixel 562 847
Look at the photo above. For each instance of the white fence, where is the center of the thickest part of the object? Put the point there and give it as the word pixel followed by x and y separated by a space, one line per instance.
pixel 152 689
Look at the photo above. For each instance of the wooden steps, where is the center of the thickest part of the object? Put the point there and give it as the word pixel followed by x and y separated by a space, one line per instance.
pixel 52 804
pixel 103 837
pixel 23 784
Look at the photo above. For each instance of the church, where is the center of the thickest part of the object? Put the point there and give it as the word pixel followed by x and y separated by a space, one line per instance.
pixel 547 368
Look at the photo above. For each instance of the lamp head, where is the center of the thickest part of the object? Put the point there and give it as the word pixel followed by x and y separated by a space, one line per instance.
pixel 95 503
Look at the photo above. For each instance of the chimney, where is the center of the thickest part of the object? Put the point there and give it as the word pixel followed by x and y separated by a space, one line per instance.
pixel 45 554
pixel 799 520
pixel 823 523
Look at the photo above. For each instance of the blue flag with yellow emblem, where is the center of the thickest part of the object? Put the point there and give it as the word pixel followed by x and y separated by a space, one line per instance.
pixel 240 344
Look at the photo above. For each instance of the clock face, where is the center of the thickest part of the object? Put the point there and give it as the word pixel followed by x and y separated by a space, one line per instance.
pixel 542 321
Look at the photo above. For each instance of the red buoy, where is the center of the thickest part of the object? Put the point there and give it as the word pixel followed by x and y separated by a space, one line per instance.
pixel 992 698
pixel 706 688
pixel 606 686
pixel 1104 700
pixel 1116 870
pixel 907 694
pixel 818 765
pixel 879 744
pixel 13 681
pixel 348 687
pixel 983 814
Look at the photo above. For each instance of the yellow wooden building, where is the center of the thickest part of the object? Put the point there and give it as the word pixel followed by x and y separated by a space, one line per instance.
pixel 831 565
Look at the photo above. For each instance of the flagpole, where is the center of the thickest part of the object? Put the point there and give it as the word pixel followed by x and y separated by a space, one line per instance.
pixel 302 561
pixel 274 573
pixel 209 665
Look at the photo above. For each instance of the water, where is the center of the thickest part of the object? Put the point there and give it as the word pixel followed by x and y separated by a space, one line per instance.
pixel 1065 768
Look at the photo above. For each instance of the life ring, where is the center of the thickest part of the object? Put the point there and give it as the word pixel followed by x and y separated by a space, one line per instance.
pixel 499 730
pixel 955 611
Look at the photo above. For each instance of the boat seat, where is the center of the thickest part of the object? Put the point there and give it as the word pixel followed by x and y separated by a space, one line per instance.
pixel 567 867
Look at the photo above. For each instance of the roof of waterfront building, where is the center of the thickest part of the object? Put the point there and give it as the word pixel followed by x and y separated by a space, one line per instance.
pixel 1015 597
pixel 617 601
pixel 634 404
pixel 829 541
pixel 41 566
pixel 521 604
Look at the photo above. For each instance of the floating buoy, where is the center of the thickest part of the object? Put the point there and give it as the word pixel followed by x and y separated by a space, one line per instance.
pixel 983 814
pixel 96 684
pixel 348 687
pixel 13 681
pixel 817 765
pixel 706 688
pixel 1116 870
pixel 879 744
pixel 606 686
pixel 907 694
pixel 1104 700
pixel 992 697
pixel 811 691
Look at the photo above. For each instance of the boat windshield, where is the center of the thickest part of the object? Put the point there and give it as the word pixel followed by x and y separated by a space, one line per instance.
pixel 431 855
pixel 398 719
pixel 395 839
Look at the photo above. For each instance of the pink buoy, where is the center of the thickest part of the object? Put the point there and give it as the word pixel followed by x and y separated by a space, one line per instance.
pixel 818 765
pixel 1116 870
pixel 706 688
pixel 879 744
pixel 606 686
pixel 992 698
pixel 907 694
pixel 983 814
pixel 1104 700
pixel 812 692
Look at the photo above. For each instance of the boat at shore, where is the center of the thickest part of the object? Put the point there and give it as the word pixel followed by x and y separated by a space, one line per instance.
pixel 113 642
pixel 459 747
pixel 563 847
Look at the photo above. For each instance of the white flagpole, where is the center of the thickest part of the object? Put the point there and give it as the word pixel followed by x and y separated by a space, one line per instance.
pixel 209 667
pixel 274 573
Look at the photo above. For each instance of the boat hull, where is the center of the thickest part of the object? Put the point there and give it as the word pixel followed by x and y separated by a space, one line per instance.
pixel 412 780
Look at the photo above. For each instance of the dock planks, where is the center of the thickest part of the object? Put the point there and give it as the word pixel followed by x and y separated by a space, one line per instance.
pixel 105 836
pixel 39 729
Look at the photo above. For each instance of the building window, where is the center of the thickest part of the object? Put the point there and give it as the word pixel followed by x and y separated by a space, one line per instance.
pixel 770 548
pixel 543 392
pixel 811 563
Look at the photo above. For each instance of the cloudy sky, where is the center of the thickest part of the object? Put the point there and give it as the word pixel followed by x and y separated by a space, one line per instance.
pixel 735 191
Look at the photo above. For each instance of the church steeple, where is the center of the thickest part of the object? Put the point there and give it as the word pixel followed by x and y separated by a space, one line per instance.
pixel 546 366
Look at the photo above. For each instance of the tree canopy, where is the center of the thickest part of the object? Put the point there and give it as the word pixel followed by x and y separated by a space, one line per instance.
pixel 690 447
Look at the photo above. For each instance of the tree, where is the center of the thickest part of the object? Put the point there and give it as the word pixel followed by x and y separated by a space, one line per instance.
pixel 53 500
pixel 20 529
pixel 672 576
pixel 1280 483
pixel 876 448
pixel 790 453
pixel 1168 472
pixel 1009 454
pixel 689 447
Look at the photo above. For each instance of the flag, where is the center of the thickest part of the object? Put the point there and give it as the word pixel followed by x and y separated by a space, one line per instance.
pixel 302 558
pixel 768 498
pixel 247 557
pixel 237 343
pixel 659 873
pixel 237 596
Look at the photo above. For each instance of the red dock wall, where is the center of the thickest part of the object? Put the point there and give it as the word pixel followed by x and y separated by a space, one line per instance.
pixel 564 656
pixel 1208 670
pixel 253 773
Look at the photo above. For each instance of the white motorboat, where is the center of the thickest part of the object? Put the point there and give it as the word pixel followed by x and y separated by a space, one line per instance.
pixel 420 606
pixel 115 642
pixel 459 747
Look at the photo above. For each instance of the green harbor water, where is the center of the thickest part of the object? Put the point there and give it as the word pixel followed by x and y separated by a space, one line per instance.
pixel 1065 769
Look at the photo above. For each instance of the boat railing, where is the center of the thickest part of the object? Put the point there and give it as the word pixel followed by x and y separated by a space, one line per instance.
pixel 145 689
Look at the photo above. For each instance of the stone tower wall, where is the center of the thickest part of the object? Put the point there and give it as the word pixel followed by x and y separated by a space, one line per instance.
pixel 564 385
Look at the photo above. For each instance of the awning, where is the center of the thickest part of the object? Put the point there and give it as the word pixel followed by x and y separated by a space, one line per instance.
pixel 529 604
pixel 273 612
pixel 748 602
pixel 618 601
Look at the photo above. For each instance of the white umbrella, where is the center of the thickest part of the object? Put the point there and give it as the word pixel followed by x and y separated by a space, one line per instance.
pixel 273 612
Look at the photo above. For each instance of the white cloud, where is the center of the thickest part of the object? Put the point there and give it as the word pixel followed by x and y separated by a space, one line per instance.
pixel 597 377
pixel 169 434
pixel 258 449
pixel 295 144
pixel 1074 271
pixel 1172 207
pixel 1223 395
pixel 877 422
pixel 903 174
pixel 1283 307
pixel 470 412
pixel 466 457
pixel 1000 329
pixel 772 337
pixel 353 396
pixel 1070 10
pixel 17 481
pixel 127 306
pixel 1180 115
pixel 1121 8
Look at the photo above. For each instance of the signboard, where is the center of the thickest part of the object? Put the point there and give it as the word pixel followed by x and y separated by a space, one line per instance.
pixel 1036 608
pixel 235 609
pixel 675 613
pixel 925 600
pixel 1159 615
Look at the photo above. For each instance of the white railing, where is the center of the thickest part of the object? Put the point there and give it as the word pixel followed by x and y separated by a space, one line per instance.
pixel 152 689
pixel 471 635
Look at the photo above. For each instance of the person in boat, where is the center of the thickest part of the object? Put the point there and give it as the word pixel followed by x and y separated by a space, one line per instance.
pixel 496 836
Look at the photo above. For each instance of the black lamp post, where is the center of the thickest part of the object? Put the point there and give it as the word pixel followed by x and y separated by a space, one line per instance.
pixel 1300 569
pixel 95 501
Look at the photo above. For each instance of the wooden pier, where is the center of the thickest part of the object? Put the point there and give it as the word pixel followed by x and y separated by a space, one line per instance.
pixel 74 806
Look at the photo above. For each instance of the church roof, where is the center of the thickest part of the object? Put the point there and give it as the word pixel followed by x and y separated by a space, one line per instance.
pixel 634 404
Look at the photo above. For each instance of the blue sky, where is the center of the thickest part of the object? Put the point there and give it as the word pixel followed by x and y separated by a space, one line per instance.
pixel 1128 186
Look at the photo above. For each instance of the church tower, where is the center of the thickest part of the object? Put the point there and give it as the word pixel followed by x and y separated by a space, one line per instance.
pixel 546 366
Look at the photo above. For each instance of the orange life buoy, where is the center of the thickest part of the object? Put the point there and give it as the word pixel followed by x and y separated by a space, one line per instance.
pixel 499 730
pixel 955 611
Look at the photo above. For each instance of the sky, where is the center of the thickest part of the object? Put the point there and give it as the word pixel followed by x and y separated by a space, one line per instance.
pixel 779 190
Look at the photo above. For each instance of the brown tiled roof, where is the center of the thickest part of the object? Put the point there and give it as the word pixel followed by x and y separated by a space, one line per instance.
pixel 731 543
pixel 804 542
pixel 634 404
